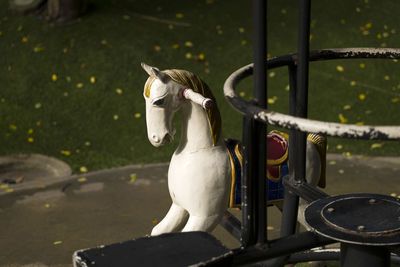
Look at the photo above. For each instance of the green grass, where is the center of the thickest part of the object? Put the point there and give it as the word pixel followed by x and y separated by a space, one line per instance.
pixel 111 40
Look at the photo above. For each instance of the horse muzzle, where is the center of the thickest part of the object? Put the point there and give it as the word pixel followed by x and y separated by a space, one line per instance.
pixel 157 141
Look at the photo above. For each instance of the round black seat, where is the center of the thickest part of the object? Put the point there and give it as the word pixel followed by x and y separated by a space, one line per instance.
pixel 364 219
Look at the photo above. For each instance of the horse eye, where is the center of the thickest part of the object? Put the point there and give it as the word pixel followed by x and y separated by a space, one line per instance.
pixel 159 102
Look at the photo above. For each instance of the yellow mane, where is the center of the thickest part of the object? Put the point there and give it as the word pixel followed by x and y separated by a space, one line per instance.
pixel 192 81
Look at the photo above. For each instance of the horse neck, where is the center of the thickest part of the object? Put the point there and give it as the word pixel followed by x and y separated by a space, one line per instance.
pixel 196 133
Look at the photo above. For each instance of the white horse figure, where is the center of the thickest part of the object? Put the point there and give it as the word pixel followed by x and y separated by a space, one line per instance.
pixel 200 170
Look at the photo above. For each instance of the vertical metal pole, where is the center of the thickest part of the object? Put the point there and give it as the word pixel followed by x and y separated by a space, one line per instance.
pixel 302 85
pixel 298 102
pixel 290 205
pixel 254 139
pixel 260 94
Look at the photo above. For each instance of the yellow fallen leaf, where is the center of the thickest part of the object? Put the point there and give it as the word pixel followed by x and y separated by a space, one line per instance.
pixel 332 162
pixel 362 97
pixel 118 91
pixel 346 107
pixel 57 242
pixel 157 48
pixel 368 25
pixel 65 152
pixel 87 143
pixel 272 74
pixel 83 169
pixel 188 44
pixel 31 140
pixel 341 171
pixel 201 56
pixel 360 123
pixel 82 179
pixel 3 186
pixel 244 42
pixel 13 127
pixel 19 179
pixel 24 39
pixel 54 77
pixel 339 147
pixel 133 177
pixel 339 68
pixel 377 145
pixel 30 131
pixel 38 105
pixel 9 190
pixel 379 36
pixel 242 94
pixel 385 35
pixel 115 117
pixel 387 78
pixel 19 28
pixel 395 100
pixel 47 205
pixel 353 83
pixel 155 221
pixel 270 228
pixel 342 118
pixel 393 194
pixel 92 79
pixel 175 46
pixel 138 115
pixel 79 85
pixel 179 15
pixel 241 29
pixel 38 48
pixel 188 55
pixel 362 65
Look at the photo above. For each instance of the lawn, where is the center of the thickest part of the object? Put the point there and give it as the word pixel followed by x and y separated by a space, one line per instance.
pixel 74 92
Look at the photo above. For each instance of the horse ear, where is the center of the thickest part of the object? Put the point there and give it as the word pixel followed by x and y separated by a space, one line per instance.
pixel 146 68
pixel 156 72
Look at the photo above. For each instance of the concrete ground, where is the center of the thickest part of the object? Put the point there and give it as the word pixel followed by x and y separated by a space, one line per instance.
pixel 44 221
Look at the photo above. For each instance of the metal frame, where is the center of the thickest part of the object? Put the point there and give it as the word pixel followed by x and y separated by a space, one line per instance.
pixel 291 246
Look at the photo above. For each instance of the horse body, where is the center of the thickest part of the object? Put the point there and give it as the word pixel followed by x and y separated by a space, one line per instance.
pixel 200 171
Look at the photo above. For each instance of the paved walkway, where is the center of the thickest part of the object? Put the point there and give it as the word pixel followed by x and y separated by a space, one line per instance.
pixel 44 222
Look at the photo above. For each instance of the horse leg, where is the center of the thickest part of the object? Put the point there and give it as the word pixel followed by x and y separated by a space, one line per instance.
pixel 172 222
pixel 198 223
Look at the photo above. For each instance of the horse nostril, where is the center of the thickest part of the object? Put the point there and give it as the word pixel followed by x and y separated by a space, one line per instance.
pixel 155 138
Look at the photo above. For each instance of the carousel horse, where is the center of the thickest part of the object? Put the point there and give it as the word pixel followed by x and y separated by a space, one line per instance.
pixel 204 171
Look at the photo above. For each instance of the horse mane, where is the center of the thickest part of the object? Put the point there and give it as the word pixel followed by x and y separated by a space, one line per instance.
pixel 192 81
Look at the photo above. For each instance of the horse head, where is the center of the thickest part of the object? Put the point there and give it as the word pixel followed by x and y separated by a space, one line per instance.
pixel 163 96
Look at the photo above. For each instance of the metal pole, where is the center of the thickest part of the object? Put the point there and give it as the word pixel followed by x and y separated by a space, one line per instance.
pixel 303 52
pixel 260 95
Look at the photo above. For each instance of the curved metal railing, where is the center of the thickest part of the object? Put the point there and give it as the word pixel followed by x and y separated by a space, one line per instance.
pixel 307 125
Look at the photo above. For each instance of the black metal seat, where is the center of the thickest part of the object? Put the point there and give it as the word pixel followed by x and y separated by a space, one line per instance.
pixel 365 224
pixel 175 249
